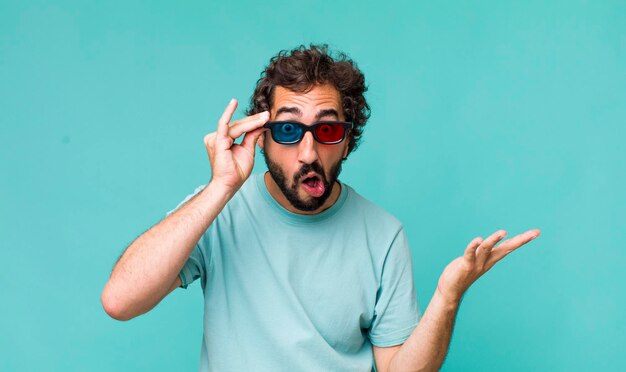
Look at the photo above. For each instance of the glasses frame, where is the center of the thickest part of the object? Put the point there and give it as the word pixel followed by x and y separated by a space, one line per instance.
pixel 309 128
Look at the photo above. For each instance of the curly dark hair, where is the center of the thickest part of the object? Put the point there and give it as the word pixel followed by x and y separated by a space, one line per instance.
pixel 301 68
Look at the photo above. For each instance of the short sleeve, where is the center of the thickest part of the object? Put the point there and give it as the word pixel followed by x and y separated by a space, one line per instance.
pixel 396 312
pixel 187 198
pixel 195 266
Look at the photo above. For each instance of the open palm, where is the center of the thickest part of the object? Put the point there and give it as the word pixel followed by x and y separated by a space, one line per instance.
pixel 478 258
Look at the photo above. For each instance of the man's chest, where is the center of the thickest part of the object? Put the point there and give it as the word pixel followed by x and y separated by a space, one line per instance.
pixel 314 285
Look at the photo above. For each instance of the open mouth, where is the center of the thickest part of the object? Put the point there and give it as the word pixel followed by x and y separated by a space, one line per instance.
pixel 313 185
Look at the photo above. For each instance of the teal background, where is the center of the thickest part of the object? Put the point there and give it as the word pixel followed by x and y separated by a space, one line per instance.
pixel 485 115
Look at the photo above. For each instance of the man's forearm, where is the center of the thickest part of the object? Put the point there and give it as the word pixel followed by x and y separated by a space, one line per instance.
pixel 148 268
pixel 426 348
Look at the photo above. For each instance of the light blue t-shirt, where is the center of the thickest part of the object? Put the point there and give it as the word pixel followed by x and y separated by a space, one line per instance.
pixel 292 292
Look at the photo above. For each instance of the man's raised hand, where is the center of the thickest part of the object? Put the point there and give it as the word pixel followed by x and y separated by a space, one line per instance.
pixel 231 164
pixel 479 257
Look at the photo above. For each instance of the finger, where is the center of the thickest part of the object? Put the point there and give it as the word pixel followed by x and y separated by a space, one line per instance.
pixel 209 139
pixel 484 249
pixel 249 140
pixel 222 123
pixel 248 118
pixel 249 125
pixel 493 239
pixel 470 251
pixel 512 244
pixel 209 142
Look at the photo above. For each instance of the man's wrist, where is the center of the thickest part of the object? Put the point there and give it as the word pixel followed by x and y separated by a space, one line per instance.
pixel 219 190
pixel 447 300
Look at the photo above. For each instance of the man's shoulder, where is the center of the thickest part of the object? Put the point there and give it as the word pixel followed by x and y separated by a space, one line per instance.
pixel 370 211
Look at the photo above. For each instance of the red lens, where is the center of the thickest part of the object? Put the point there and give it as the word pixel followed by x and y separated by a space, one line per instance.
pixel 329 132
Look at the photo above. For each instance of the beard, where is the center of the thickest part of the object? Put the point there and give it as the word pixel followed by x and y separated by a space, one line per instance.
pixel 291 192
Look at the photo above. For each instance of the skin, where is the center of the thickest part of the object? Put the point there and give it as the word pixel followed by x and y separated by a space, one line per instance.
pixel 291 157
pixel 426 348
pixel 148 269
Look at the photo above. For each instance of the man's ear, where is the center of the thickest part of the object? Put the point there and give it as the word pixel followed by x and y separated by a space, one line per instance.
pixel 261 141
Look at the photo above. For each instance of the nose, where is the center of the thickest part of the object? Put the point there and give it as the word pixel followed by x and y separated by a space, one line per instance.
pixel 307 149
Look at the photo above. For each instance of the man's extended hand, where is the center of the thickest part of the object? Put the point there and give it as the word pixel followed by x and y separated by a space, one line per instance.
pixel 426 348
pixel 479 257
pixel 231 164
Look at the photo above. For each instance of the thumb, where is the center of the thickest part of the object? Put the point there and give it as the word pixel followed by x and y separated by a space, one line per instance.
pixel 249 140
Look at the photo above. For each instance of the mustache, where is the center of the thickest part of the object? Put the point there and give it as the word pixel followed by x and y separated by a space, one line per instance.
pixel 306 168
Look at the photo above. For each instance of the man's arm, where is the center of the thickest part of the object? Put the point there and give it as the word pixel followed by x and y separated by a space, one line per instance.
pixel 426 348
pixel 148 269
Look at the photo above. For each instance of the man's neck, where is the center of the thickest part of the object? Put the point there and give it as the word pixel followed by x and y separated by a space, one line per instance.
pixel 278 195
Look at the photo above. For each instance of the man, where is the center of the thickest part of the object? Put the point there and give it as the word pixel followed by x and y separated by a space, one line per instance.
pixel 299 272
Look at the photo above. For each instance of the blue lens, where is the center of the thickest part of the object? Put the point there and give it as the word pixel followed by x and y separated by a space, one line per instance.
pixel 287 133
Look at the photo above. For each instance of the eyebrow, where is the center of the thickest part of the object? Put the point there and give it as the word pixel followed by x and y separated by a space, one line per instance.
pixel 296 111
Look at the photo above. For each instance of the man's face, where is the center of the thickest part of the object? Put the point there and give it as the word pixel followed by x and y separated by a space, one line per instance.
pixel 305 172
